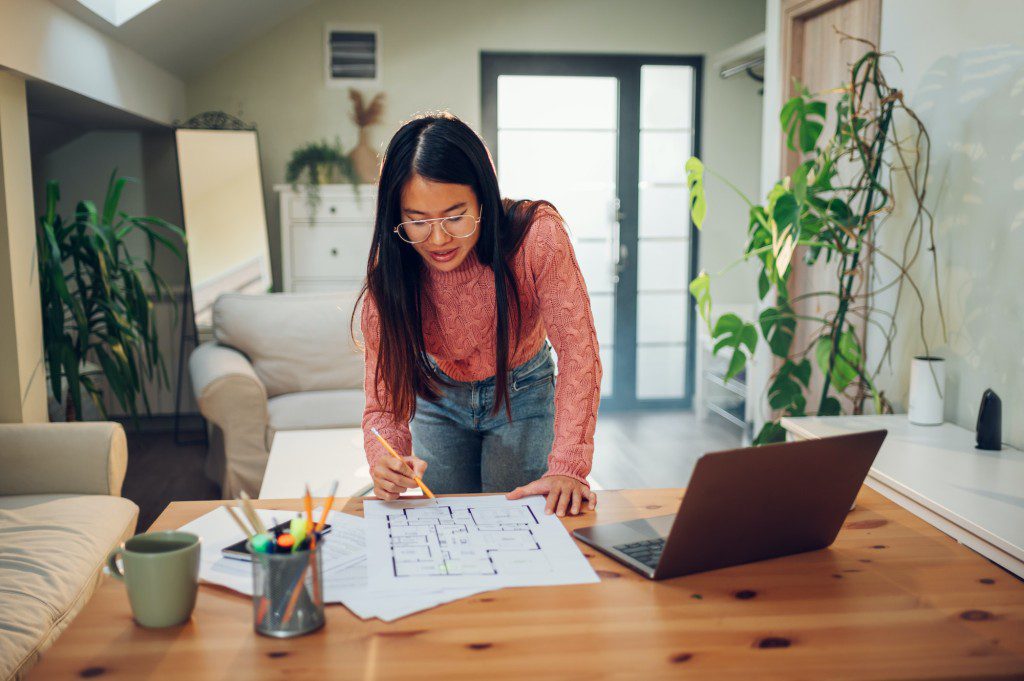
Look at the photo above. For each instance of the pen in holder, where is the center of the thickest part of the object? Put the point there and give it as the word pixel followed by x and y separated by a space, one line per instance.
pixel 287 594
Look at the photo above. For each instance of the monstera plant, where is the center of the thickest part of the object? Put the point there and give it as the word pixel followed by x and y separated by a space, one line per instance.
pixel 95 305
pixel 830 212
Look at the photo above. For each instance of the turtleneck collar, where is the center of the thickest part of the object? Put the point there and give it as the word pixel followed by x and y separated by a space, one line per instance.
pixel 468 269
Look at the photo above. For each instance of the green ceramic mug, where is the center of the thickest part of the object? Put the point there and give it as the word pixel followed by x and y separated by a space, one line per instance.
pixel 161 571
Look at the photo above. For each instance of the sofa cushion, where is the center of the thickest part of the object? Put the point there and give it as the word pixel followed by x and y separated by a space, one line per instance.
pixel 52 551
pixel 316 409
pixel 295 341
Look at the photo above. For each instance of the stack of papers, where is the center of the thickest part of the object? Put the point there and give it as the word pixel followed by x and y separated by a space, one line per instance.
pixel 408 556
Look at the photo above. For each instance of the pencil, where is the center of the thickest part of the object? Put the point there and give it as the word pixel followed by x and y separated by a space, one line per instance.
pixel 392 452
pixel 238 521
pixel 309 510
pixel 327 508
pixel 251 513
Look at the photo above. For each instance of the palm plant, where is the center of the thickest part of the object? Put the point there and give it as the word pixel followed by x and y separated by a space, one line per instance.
pixel 94 303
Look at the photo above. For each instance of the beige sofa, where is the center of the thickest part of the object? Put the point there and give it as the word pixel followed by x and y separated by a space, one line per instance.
pixel 279 361
pixel 60 515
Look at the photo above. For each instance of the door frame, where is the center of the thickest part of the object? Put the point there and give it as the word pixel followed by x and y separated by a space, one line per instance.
pixel 626 68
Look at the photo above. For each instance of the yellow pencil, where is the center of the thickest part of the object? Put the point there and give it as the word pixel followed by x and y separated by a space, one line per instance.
pixel 395 454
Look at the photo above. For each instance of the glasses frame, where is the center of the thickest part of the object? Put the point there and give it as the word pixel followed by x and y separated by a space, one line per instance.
pixel 476 224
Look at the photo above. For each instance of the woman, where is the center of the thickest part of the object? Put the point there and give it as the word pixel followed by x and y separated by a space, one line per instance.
pixel 462 289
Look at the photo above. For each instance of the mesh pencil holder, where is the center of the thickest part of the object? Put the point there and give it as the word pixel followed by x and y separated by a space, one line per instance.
pixel 287 593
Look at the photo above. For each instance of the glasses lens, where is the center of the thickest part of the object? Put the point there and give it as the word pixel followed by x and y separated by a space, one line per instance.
pixel 460 225
pixel 414 232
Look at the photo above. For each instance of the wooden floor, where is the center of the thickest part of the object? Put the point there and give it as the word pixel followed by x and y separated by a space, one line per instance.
pixel 631 450
pixel 655 448
pixel 159 472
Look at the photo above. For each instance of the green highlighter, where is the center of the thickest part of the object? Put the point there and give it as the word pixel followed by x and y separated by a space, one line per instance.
pixel 298 531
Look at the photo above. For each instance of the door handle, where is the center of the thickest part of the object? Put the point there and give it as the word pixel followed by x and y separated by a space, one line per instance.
pixel 618 253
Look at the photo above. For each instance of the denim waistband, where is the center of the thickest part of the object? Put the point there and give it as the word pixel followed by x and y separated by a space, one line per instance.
pixel 538 359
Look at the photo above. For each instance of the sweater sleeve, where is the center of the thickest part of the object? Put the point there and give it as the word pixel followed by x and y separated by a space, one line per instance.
pixel 567 317
pixel 375 413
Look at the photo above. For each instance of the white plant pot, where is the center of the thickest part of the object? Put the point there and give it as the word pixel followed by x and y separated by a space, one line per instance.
pixel 927 391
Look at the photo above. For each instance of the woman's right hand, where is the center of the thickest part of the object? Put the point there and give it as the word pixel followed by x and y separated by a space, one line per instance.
pixel 391 477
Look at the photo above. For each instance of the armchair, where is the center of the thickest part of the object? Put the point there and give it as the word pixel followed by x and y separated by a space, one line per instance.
pixel 279 361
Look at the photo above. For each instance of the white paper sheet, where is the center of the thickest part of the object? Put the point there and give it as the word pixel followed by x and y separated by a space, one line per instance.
pixel 484 542
pixel 349 586
pixel 344 565
pixel 343 545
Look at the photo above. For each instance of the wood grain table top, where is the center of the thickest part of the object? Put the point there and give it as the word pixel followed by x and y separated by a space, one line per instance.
pixel 891 598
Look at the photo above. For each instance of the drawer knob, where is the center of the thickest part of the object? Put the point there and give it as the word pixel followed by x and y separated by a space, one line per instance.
pixel 334 209
pixel 334 251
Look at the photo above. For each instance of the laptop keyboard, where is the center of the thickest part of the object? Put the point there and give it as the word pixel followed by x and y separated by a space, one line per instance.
pixel 646 552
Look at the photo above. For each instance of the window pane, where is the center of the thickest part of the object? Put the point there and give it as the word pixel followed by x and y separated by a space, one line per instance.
pixel 659 371
pixel 664 265
pixel 664 211
pixel 663 156
pixel 606 368
pixel 558 102
pixel 661 317
pixel 532 161
pixel 603 307
pixel 666 96
pixel 592 257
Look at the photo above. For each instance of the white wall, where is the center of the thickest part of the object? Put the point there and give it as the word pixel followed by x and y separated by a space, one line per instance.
pixel 431 60
pixel 42 41
pixel 965 78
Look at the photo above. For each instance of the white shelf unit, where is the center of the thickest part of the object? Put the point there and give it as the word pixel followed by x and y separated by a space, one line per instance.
pixel 325 248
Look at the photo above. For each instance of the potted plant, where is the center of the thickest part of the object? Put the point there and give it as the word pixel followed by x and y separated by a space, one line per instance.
pixel 96 310
pixel 317 163
pixel 831 209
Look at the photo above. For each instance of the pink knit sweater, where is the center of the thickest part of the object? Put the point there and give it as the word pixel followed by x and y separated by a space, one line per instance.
pixel 458 326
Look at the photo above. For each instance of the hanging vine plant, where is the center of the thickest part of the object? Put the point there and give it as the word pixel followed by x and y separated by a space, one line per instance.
pixel 832 208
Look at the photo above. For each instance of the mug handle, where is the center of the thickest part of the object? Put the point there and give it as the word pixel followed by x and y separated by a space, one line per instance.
pixel 112 562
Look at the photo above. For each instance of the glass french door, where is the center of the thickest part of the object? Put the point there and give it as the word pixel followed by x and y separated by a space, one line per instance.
pixel 605 138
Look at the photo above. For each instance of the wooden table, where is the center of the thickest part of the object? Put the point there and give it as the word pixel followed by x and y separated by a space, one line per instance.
pixel 892 598
pixel 935 472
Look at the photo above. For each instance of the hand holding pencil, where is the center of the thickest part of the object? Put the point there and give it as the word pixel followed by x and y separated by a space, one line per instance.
pixel 394 474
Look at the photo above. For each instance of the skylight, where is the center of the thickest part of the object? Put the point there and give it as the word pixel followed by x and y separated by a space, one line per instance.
pixel 118 11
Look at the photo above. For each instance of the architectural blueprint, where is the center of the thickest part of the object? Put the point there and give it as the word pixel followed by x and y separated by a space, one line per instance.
pixel 485 541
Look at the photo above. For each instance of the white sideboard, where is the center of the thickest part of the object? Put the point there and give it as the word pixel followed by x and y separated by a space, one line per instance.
pixel 974 496
pixel 325 249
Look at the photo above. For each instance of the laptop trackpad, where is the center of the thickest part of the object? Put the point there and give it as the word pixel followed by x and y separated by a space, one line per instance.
pixel 652 528
pixel 615 534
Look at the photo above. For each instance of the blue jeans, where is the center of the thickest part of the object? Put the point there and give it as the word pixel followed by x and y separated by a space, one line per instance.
pixel 469 450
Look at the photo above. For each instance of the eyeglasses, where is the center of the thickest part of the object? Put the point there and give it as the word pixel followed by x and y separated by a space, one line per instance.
pixel 455 226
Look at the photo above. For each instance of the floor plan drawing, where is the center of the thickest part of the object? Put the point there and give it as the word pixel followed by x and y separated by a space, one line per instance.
pixel 442 540
pixel 469 541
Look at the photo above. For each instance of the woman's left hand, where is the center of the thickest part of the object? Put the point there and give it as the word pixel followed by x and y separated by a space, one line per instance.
pixel 563 493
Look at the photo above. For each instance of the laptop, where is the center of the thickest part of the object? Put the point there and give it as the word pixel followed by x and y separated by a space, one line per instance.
pixel 744 505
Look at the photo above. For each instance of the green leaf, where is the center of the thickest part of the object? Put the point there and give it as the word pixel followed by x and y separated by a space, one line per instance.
pixel 732 332
pixel 700 289
pixel 830 407
pixel 771 433
pixel 763 285
pixel 695 181
pixel 786 211
pixel 785 390
pixel 798 181
pixel 778 327
pixel 846 361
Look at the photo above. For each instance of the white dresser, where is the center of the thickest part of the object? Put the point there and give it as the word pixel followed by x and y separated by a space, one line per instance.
pixel 326 249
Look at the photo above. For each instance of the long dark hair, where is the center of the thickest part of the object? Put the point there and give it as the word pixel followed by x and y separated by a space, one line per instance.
pixel 441 148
